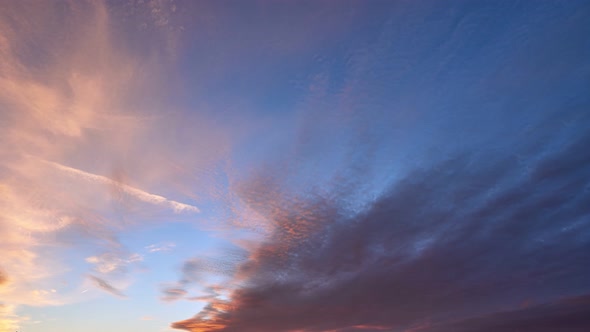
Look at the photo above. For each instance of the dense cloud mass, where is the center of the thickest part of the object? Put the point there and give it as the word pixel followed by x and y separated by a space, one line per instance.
pixel 447 242
pixel 569 314
pixel 484 226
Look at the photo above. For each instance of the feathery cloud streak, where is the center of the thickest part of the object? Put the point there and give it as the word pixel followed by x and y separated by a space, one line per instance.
pixel 137 193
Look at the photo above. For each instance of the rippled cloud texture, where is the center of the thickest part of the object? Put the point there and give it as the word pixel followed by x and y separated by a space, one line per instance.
pixel 411 166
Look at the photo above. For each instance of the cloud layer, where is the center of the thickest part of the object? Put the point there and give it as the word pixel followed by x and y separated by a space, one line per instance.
pixel 444 243
pixel 449 206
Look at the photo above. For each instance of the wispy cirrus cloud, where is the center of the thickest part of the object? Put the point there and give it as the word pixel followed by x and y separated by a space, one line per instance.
pixel 161 247
pixel 420 255
pixel 79 138
pixel 112 262
pixel 134 192
pixel 568 314
pixel 374 166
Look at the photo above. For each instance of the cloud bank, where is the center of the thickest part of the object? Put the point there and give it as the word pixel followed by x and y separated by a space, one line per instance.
pixel 451 206
pixel 445 243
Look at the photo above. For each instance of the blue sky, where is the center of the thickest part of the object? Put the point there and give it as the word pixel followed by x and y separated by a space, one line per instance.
pixel 406 166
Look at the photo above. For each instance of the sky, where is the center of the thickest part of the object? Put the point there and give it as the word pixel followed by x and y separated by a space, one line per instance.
pixel 296 166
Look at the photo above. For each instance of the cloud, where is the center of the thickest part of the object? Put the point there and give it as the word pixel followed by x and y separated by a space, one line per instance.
pixel 444 243
pixel 112 262
pixel 3 278
pixel 134 192
pixel 105 286
pixel 173 294
pixel 450 193
pixel 83 128
pixel 569 314
pixel 429 167
pixel 207 276
pixel 50 101
pixel 9 321
pixel 163 247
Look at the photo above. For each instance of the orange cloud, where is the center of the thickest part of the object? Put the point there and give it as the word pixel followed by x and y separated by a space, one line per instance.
pixel 3 278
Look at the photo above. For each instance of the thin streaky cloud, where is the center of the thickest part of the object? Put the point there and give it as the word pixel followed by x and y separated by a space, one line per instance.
pixel 106 286
pixel 135 192
pixel 161 247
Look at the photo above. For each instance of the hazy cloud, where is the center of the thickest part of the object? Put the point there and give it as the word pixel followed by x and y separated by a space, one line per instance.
pixel 113 262
pixel 80 138
pixel 419 256
pixel 162 247
pixel 3 278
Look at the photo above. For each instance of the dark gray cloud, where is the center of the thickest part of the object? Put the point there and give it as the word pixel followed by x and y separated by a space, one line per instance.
pixel 571 314
pixel 106 286
pixel 471 235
